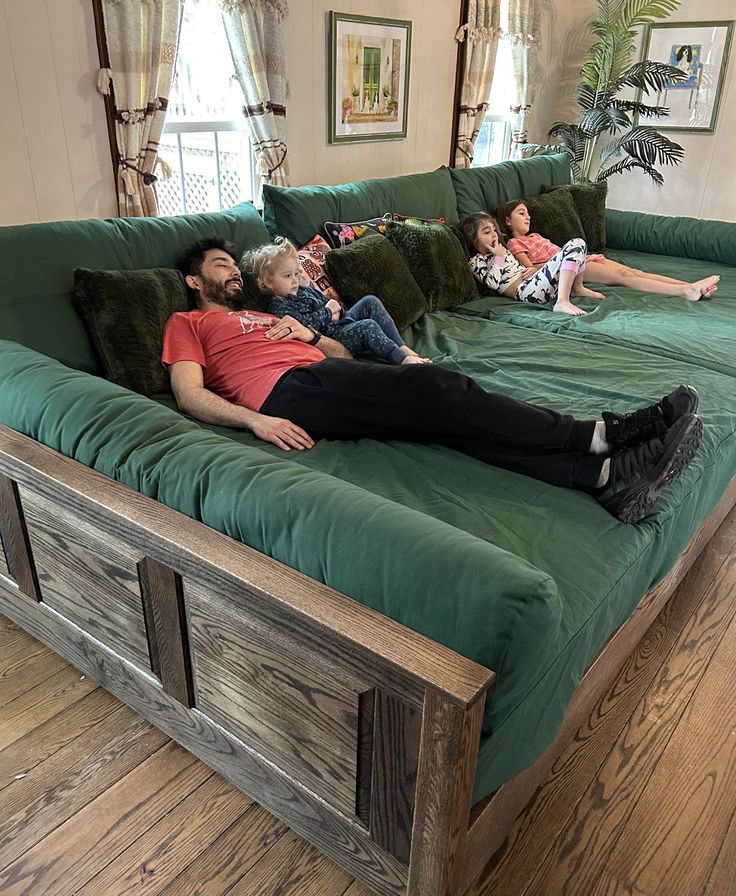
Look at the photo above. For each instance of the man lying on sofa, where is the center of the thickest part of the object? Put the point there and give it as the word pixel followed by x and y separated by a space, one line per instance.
pixel 289 385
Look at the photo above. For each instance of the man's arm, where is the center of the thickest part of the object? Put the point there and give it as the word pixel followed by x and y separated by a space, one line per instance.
pixel 290 328
pixel 187 384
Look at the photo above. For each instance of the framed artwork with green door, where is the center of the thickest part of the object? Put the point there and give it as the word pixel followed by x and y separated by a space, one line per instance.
pixel 367 77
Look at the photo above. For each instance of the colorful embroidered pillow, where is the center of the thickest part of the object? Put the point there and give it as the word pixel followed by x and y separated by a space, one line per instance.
pixel 312 260
pixel 415 219
pixel 339 235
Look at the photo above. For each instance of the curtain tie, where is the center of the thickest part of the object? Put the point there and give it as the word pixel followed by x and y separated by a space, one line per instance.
pixel 104 77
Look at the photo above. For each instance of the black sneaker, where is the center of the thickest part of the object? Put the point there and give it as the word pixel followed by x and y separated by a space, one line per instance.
pixel 638 474
pixel 625 430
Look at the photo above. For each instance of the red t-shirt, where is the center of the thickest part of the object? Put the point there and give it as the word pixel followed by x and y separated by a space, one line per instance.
pixel 239 363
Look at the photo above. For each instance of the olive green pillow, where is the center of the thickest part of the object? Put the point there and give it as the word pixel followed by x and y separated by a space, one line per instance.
pixel 437 262
pixel 373 265
pixel 555 216
pixel 124 313
pixel 590 201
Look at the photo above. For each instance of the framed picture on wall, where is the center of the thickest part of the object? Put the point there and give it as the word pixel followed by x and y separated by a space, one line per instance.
pixel 700 50
pixel 367 78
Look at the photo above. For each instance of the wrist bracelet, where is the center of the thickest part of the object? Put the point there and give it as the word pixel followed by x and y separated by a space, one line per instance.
pixel 316 338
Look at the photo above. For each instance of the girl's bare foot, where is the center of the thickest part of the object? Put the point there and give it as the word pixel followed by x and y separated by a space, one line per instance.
pixel 415 359
pixel 568 308
pixel 584 292
pixel 702 289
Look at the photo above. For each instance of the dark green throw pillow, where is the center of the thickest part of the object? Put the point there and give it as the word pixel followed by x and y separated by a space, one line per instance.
pixel 555 216
pixel 373 265
pixel 590 201
pixel 437 262
pixel 124 313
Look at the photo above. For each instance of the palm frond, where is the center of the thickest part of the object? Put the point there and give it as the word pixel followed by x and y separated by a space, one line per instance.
pixel 628 165
pixel 571 139
pixel 601 121
pixel 650 147
pixel 641 109
pixel 643 12
pixel 649 76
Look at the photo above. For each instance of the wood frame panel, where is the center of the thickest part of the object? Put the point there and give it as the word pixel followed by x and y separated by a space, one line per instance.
pixel 403 823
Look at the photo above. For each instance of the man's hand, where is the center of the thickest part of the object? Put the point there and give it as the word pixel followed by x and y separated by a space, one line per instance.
pixel 284 433
pixel 289 328
pixel 335 308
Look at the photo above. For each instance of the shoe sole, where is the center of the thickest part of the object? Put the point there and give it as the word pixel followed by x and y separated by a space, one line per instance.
pixel 684 439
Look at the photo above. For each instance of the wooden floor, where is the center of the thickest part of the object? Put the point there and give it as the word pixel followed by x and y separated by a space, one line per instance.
pixel 95 801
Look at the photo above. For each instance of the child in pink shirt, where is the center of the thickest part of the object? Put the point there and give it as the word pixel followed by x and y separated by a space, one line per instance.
pixel 532 250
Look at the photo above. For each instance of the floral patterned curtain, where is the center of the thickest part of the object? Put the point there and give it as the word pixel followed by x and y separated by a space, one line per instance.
pixel 481 33
pixel 142 38
pixel 255 32
pixel 523 33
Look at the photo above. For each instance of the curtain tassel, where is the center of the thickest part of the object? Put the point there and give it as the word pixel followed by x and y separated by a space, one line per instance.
pixel 129 180
pixel 104 78
pixel 165 168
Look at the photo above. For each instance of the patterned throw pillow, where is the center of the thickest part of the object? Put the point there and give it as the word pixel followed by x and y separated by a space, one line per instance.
pixel 415 219
pixel 339 235
pixel 312 260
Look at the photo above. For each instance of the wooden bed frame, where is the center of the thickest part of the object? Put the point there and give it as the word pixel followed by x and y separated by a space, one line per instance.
pixel 359 733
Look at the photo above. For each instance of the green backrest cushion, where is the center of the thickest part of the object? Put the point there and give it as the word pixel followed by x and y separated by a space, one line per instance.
pixel 124 313
pixel 590 201
pixel 373 265
pixel 38 261
pixel 299 212
pixel 555 216
pixel 484 189
pixel 437 262
pixel 680 237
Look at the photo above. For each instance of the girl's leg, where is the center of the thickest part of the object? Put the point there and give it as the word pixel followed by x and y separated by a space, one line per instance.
pixel 361 336
pixel 614 274
pixel 555 280
pixel 372 308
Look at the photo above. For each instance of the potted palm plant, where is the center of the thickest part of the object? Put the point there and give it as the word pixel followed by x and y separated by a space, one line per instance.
pixel 606 72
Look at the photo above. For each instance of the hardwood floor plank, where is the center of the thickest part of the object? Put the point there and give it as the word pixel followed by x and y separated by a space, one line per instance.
pixel 356 888
pixel 219 867
pixel 293 868
pixel 43 702
pixel 723 876
pixel 68 780
pixel 13 639
pixel 582 848
pixel 43 741
pixel 608 885
pixel 154 860
pixel 82 847
pixel 661 849
pixel 26 669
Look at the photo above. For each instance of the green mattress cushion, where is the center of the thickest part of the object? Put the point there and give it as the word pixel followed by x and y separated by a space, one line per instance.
pixel 590 202
pixel 38 261
pixel 484 189
pixel 437 262
pixel 372 264
pixel 124 313
pixel 299 212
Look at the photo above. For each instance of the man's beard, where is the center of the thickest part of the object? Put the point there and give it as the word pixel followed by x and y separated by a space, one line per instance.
pixel 222 294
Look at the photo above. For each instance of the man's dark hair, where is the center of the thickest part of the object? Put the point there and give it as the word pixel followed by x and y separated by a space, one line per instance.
pixel 191 262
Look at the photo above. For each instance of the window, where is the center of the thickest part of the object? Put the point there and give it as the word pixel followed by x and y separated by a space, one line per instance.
pixel 205 140
pixel 494 140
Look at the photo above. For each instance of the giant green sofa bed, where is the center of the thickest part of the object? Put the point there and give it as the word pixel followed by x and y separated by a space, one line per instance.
pixel 386 644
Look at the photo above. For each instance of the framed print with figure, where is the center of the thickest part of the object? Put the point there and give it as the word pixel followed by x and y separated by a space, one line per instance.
pixel 700 50
pixel 367 77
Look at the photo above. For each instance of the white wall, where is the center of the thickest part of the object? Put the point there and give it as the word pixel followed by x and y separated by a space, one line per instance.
pixel 54 151
pixel 703 185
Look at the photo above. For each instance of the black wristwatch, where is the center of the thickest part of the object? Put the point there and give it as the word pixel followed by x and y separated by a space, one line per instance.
pixel 316 338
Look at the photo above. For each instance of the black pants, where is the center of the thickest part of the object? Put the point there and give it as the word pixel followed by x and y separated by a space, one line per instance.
pixel 345 399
